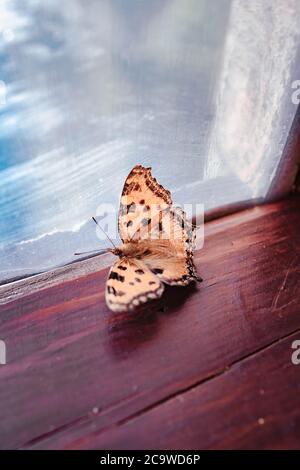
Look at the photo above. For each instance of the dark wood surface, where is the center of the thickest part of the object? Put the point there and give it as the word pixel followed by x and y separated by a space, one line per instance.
pixel 206 367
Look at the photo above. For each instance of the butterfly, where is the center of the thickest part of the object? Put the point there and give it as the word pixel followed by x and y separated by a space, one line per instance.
pixel 158 243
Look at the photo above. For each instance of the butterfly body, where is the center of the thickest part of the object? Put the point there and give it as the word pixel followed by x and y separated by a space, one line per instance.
pixel 157 247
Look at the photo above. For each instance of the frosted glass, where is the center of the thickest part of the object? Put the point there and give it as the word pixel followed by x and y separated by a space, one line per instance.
pixel 198 89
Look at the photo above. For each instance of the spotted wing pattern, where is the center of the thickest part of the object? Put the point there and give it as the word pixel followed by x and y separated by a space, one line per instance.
pixel 146 213
pixel 131 283
pixel 171 257
pixel 142 202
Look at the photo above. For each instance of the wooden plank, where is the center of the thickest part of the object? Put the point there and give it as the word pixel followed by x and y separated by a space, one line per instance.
pixel 36 283
pixel 252 405
pixel 74 366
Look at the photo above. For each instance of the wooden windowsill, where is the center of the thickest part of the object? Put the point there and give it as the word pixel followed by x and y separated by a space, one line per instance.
pixel 206 367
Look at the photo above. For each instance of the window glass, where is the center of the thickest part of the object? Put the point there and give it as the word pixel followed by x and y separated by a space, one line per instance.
pixel 200 90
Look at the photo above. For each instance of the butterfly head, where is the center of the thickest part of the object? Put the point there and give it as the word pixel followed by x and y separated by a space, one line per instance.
pixel 128 250
pixel 118 251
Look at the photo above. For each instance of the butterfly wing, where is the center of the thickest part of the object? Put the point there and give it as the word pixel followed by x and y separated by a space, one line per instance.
pixel 131 283
pixel 147 216
pixel 142 200
pixel 170 256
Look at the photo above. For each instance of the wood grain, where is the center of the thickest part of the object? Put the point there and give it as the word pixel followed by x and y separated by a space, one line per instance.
pixel 79 376
pixel 246 407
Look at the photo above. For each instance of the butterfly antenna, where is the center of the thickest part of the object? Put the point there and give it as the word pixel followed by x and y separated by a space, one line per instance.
pixel 104 232
pixel 100 252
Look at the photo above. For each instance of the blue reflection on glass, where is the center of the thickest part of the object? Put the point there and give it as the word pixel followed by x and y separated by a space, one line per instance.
pixel 89 89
